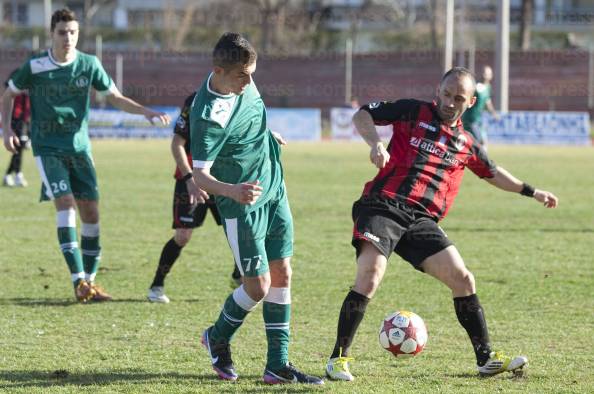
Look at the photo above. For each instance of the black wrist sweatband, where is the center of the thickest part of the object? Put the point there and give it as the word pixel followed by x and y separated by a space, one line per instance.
pixel 527 190
pixel 189 175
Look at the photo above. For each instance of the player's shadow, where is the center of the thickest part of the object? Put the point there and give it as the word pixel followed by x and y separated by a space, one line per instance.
pixel 34 302
pixel 63 302
pixel 25 379
pixel 62 378
pixel 37 302
pixel 465 375
pixel 474 375
pixel 501 230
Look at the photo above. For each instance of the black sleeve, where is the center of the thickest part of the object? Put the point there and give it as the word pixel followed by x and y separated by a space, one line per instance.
pixel 182 124
pixel 479 162
pixel 386 112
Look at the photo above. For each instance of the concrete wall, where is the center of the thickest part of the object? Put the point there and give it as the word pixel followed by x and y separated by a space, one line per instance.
pixel 539 80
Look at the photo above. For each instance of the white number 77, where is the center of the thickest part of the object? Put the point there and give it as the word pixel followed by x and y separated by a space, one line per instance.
pixel 249 261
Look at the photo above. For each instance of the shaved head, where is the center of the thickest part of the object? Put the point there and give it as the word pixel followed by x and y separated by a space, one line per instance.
pixel 462 74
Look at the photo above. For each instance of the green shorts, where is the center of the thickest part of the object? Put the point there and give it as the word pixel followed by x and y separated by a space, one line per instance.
pixel 67 174
pixel 263 235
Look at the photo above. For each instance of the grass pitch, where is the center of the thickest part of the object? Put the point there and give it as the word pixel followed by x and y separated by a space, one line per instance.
pixel 533 267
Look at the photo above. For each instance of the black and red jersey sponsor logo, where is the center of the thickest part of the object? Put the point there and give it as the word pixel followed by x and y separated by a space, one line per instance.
pixel 434 149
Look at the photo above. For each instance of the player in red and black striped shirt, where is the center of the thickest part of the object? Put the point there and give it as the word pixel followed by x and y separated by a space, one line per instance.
pixel 419 175
pixel 187 215
pixel 21 119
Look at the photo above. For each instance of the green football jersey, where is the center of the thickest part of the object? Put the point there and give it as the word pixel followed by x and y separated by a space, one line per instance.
pixel 228 134
pixel 482 94
pixel 60 98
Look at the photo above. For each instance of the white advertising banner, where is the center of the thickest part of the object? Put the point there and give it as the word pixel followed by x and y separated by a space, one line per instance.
pixel 515 127
pixel 342 128
pixel 296 124
pixel 539 127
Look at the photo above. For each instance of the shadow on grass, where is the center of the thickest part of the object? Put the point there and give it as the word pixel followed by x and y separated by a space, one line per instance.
pixel 68 302
pixel 518 230
pixel 465 375
pixel 476 376
pixel 17 379
pixel 37 302
pixel 62 378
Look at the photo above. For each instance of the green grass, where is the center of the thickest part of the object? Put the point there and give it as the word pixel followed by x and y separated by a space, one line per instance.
pixel 533 269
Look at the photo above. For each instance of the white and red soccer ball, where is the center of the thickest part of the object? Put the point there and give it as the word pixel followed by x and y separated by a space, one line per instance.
pixel 403 333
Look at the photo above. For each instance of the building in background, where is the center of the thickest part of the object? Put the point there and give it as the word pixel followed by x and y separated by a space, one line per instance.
pixel 338 14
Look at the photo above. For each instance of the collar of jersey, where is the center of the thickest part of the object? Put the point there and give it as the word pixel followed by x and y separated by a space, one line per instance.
pixel 230 95
pixel 57 63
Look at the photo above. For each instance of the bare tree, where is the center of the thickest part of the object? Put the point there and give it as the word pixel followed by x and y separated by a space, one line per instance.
pixel 176 30
pixel 525 24
pixel 90 8
pixel 272 14
pixel 433 11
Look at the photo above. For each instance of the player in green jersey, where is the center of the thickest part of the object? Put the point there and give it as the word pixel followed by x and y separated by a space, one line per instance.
pixel 237 158
pixel 473 115
pixel 59 82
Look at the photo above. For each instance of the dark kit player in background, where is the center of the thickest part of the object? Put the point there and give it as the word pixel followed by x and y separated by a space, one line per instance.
pixel 187 214
pixel 21 121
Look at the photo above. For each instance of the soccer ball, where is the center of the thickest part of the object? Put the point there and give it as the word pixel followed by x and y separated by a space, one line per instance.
pixel 403 333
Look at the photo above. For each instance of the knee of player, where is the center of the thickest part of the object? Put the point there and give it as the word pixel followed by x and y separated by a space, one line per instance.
pixel 257 288
pixel 258 293
pixel 367 284
pixel 373 283
pixel 466 280
pixel 182 237
pixel 281 274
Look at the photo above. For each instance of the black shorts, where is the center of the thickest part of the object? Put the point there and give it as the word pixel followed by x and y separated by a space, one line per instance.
pixel 186 215
pixel 391 225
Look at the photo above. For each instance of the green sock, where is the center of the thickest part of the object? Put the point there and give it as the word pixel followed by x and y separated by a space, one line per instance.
pixel 236 308
pixel 276 320
pixel 91 254
pixel 67 238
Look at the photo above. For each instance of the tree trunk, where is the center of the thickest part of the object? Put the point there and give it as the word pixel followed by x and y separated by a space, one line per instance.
pixel 525 24
pixel 433 27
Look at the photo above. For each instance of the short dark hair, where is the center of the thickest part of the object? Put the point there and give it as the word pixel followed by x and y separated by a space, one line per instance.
pixel 233 49
pixel 63 15
pixel 459 72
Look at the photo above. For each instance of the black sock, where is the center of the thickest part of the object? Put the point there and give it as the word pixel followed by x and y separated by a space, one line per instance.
pixel 170 253
pixel 15 162
pixel 351 314
pixel 471 316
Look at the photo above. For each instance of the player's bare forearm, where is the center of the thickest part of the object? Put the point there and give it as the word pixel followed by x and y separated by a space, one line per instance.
pixel 366 128
pixel 126 104
pixel 210 183
pixel 506 181
pixel 491 109
pixel 179 154
pixel 244 193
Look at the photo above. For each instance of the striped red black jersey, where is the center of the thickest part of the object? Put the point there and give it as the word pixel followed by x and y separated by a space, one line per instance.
pixel 427 157
pixel 182 128
pixel 21 109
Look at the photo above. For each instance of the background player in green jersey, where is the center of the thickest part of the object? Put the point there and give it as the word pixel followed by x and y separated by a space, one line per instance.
pixel 473 115
pixel 59 82
pixel 237 158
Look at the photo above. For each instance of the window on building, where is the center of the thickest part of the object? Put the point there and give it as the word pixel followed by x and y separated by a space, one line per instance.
pixel 16 13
